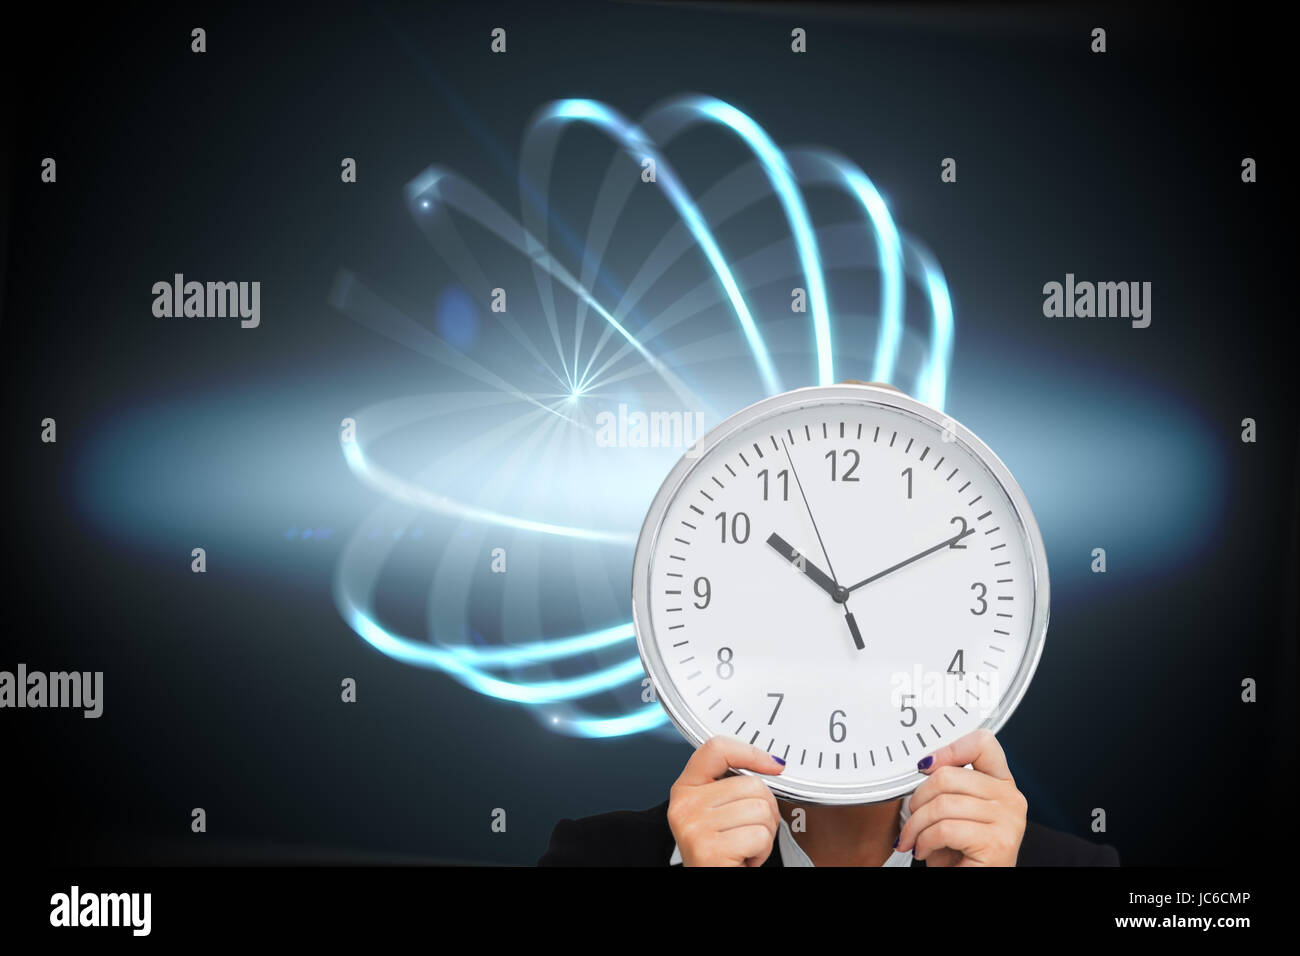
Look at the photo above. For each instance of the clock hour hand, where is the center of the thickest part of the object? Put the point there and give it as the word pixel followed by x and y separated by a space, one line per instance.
pixel 851 621
pixel 796 557
pixel 838 594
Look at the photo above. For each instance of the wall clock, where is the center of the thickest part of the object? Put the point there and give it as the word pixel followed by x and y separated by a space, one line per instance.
pixel 845 577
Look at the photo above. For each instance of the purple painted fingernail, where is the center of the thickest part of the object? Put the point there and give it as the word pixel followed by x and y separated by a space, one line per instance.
pixel 896 839
pixel 924 763
pixel 778 759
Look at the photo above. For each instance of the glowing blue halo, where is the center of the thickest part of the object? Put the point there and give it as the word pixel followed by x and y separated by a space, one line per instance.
pixel 636 143
pixel 453 662
pixel 787 191
pixel 826 167
pixel 897 257
pixel 407 493
pixel 447 187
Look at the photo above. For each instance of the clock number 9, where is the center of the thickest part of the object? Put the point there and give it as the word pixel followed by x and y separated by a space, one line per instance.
pixel 705 594
pixel 724 663
pixel 739 531
pixel 838 725
pixel 984 605
pixel 908 707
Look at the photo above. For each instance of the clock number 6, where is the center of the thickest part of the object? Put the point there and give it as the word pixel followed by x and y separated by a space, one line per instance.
pixel 838 725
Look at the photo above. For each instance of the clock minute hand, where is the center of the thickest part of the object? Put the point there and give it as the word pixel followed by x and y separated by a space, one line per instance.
pixel 946 543
pixel 793 555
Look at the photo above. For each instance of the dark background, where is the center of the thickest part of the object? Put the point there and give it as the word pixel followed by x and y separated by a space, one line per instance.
pixel 221 690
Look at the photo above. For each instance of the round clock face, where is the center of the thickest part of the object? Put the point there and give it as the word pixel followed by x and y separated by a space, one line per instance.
pixel 845 578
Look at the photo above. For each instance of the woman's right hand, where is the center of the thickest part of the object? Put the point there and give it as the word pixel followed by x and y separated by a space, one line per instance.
pixel 720 819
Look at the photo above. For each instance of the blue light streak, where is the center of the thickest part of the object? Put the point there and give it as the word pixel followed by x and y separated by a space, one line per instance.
pixel 636 143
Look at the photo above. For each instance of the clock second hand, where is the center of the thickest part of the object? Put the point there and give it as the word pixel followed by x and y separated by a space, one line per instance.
pixel 841 595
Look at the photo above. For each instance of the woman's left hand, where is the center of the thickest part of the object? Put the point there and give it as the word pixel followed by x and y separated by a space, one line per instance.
pixel 966 816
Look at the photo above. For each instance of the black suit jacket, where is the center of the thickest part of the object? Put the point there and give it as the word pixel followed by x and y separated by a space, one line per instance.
pixel 643 838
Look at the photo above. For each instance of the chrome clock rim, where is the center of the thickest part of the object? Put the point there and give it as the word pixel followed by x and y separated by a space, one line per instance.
pixel 666 693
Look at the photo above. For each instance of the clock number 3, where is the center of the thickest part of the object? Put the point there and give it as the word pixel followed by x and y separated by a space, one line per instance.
pixel 984 605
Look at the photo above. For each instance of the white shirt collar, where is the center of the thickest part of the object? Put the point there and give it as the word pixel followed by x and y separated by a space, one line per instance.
pixel 793 855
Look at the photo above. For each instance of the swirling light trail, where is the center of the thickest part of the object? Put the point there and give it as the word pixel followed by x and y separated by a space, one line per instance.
pixel 897 256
